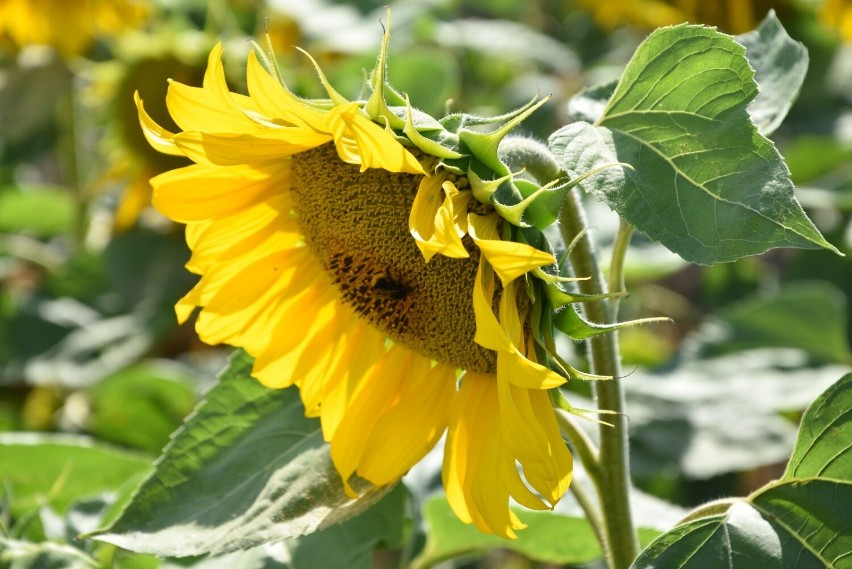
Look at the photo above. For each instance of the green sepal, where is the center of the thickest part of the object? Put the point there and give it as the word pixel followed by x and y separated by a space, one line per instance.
pixel 335 97
pixel 427 145
pixel 483 145
pixel 541 324
pixel 569 321
pixel 483 189
pixel 376 106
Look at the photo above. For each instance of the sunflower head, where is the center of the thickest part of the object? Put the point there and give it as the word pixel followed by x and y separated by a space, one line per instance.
pixel 389 264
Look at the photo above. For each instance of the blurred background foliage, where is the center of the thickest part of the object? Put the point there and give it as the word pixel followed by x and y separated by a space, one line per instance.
pixel 95 374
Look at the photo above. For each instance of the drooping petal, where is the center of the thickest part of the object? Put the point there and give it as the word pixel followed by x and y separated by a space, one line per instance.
pixel 397 413
pixel 509 259
pixel 437 227
pixel 158 137
pixel 495 334
pixel 476 460
pixel 361 141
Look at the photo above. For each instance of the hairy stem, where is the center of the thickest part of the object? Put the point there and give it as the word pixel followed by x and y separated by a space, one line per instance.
pixel 621 541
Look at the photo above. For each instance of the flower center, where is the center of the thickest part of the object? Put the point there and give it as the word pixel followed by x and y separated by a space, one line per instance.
pixel 356 223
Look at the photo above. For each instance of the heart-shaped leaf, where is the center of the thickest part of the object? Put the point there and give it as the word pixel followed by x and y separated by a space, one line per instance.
pixel 704 182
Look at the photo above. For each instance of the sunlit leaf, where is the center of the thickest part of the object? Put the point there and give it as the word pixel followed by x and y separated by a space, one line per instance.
pixel 16 554
pixel 247 468
pixel 705 183
pixel 69 468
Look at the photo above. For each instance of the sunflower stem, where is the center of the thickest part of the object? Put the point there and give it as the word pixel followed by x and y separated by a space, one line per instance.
pixel 621 543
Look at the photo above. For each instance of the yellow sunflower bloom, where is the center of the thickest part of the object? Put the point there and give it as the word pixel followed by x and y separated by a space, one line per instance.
pixel 70 27
pixel 340 243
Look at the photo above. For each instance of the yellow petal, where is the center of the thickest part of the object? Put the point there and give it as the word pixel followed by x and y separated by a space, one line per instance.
pixel 158 137
pixel 495 335
pixel 273 144
pixel 412 425
pixel 361 141
pixel 382 439
pixel 276 102
pixel 475 459
pixel 438 227
pixel 202 108
pixel 509 259
pixel 199 192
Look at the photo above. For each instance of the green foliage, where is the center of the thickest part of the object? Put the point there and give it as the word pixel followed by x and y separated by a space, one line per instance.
pixel 548 538
pixel 39 212
pixel 157 395
pixel 87 327
pixel 801 520
pixel 246 468
pixel 69 467
pixel 703 181
pixel 810 316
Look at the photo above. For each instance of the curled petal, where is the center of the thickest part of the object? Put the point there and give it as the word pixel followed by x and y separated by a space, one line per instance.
pixel 509 259
pixel 361 141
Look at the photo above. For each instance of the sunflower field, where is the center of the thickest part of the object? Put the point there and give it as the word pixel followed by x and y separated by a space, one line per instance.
pixel 451 284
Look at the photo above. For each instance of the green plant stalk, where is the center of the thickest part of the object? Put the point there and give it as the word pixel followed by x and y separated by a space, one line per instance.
pixel 621 545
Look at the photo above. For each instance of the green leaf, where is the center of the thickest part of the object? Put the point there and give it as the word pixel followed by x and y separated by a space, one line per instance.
pixel 800 521
pixel 69 467
pixel 702 418
pixel 246 468
pixel 549 537
pixel 823 448
pixel 810 316
pixel 16 554
pixel 350 545
pixel 40 212
pixel 706 184
pixel 780 65
pixel 155 393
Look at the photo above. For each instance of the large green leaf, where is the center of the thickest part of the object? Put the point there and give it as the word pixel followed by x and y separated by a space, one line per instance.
pixel 68 468
pixel 780 64
pixel 704 182
pixel 801 520
pixel 246 468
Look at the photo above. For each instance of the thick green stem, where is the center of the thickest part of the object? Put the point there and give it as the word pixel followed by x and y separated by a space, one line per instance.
pixel 621 540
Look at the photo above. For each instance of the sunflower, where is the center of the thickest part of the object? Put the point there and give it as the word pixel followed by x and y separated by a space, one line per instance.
pixel 356 251
pixel 70 27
